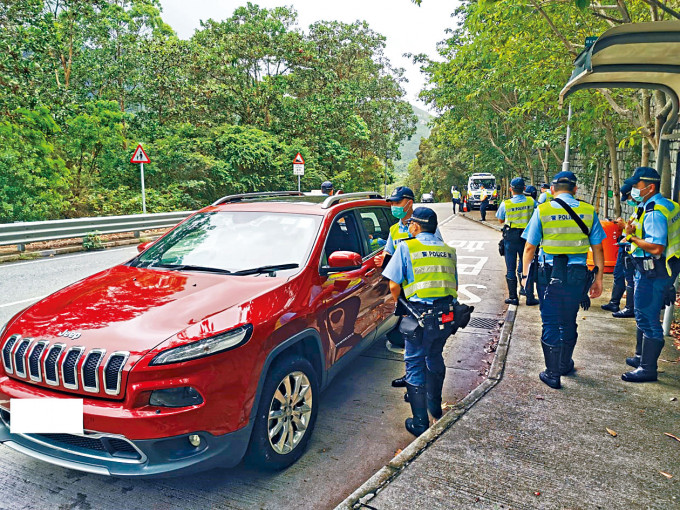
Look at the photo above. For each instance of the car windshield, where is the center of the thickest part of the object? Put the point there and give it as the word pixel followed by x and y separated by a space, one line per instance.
pixel 487 183
pixel 235 241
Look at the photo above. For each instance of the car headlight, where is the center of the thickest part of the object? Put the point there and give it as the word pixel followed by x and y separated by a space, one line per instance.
pixel 206 347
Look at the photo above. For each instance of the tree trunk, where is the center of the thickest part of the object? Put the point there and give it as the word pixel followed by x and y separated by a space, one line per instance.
pixel 644 158
pixel 595 183
pixel 605 190
pixel 614 165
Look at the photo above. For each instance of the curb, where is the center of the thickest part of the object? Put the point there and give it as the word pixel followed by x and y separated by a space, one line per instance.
pixel 485 223
pixel 369 489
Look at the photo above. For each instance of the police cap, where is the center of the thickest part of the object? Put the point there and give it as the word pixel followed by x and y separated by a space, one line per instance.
pixel 401 193
pixel 643 173
pixel 425 217
pixel 565 176
pixel 530 189
pixel 625 189
pixel 326 185
pixel 517 184
pixel 545 185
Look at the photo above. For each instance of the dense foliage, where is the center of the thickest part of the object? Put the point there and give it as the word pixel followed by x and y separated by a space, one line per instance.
pixel 84 81
pixel 497 90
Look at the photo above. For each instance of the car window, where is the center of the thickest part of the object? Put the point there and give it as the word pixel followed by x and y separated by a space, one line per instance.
pixel 342 236
pixel 376 228
pixel 236 240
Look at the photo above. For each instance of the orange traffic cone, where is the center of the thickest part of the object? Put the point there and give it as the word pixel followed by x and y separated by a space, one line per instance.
pixel 465 205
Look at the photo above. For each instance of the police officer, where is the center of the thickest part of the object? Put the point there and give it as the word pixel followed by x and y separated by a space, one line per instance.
pixel 654 234
pixel 562 274
pixel 515 213
pixel 402 208
pixel 425 268
pixel 624 270
pixel 546 195
pixel 484 203
pixel 455 198
pixel 327 188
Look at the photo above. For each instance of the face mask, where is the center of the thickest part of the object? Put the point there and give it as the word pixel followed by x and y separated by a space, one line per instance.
pixel 635 195
pixel 398 212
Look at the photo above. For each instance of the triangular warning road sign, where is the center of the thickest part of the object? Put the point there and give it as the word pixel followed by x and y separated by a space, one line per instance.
pixel 299 159
pixel 139 156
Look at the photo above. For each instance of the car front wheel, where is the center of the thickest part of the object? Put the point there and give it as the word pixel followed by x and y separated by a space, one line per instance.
pixel 286 414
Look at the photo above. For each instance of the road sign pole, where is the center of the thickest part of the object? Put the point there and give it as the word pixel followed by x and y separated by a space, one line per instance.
pixel 298 184
pixel 141 167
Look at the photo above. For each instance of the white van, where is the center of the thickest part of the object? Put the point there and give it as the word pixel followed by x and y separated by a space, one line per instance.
pixel 477 182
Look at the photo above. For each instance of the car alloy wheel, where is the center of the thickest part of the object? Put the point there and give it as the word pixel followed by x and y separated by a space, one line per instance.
pixel 290 411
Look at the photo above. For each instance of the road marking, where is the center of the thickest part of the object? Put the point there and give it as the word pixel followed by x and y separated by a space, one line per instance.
pixel 472 269
pixel 34 299
pixel 468 245
pixel 62 257
pixel 471 296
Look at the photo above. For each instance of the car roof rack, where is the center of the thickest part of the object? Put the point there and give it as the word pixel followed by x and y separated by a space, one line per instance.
pixel 334 199
pixel 252 196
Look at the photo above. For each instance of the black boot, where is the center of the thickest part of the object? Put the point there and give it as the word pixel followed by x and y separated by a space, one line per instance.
pixel 399 383
pixel 629 310
pixel 615 300
pixel 651 349
pixel 433 384
pixel 417 397
pixel 551 374
pixel 512 291
pixel 634 361
pixel 566 362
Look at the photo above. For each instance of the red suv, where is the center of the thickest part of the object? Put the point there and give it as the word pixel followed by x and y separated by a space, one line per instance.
pixel 214 343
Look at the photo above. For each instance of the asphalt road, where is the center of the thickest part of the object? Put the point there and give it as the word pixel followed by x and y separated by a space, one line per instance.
pixel 360 422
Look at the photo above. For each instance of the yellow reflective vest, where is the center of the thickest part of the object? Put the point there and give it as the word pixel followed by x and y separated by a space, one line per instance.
pixel 397 236
pixel 517 215
pixel 672 216
pixel 561 234
pixel 434 271
pixel 455 194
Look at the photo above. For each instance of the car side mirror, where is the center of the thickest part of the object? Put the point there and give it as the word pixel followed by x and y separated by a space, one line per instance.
pixel 143 246
pixel 340 261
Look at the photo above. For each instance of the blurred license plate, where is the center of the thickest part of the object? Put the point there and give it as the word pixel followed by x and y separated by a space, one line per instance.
pixel 46 416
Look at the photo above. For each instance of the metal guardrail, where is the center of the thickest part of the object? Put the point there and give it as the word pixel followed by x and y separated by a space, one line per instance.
pixel 22 233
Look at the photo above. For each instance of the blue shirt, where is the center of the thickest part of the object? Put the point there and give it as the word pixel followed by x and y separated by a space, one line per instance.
pixel 400 269
pixel 654 225
pixel 542 198
pixel 403 229
pixel 534 233
pixel 516 199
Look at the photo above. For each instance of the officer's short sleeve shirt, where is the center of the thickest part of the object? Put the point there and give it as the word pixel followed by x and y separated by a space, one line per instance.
pixel 542 198
pixel 533 233
pixel 400 269
pixel 655 226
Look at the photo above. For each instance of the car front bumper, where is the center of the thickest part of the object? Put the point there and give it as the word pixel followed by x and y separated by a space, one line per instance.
pixel 115 455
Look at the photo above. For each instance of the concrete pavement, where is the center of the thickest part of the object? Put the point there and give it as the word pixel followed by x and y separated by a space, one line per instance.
pixel 597 443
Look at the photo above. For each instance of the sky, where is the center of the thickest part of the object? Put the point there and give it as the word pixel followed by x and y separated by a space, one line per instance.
pixel 407 27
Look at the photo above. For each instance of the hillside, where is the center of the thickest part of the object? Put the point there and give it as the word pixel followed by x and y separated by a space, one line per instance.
pixel 409 148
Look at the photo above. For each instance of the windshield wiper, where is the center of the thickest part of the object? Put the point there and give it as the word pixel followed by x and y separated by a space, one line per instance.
pixel 189 267
pixel 265 269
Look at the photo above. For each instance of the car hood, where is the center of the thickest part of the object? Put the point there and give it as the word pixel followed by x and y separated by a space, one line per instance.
pixel 135 309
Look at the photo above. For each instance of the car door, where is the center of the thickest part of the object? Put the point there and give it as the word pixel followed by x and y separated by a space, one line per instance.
pixel 376 222
pixel 346 294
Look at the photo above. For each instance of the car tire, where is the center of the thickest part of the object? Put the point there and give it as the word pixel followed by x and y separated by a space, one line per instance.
pixel 289 413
